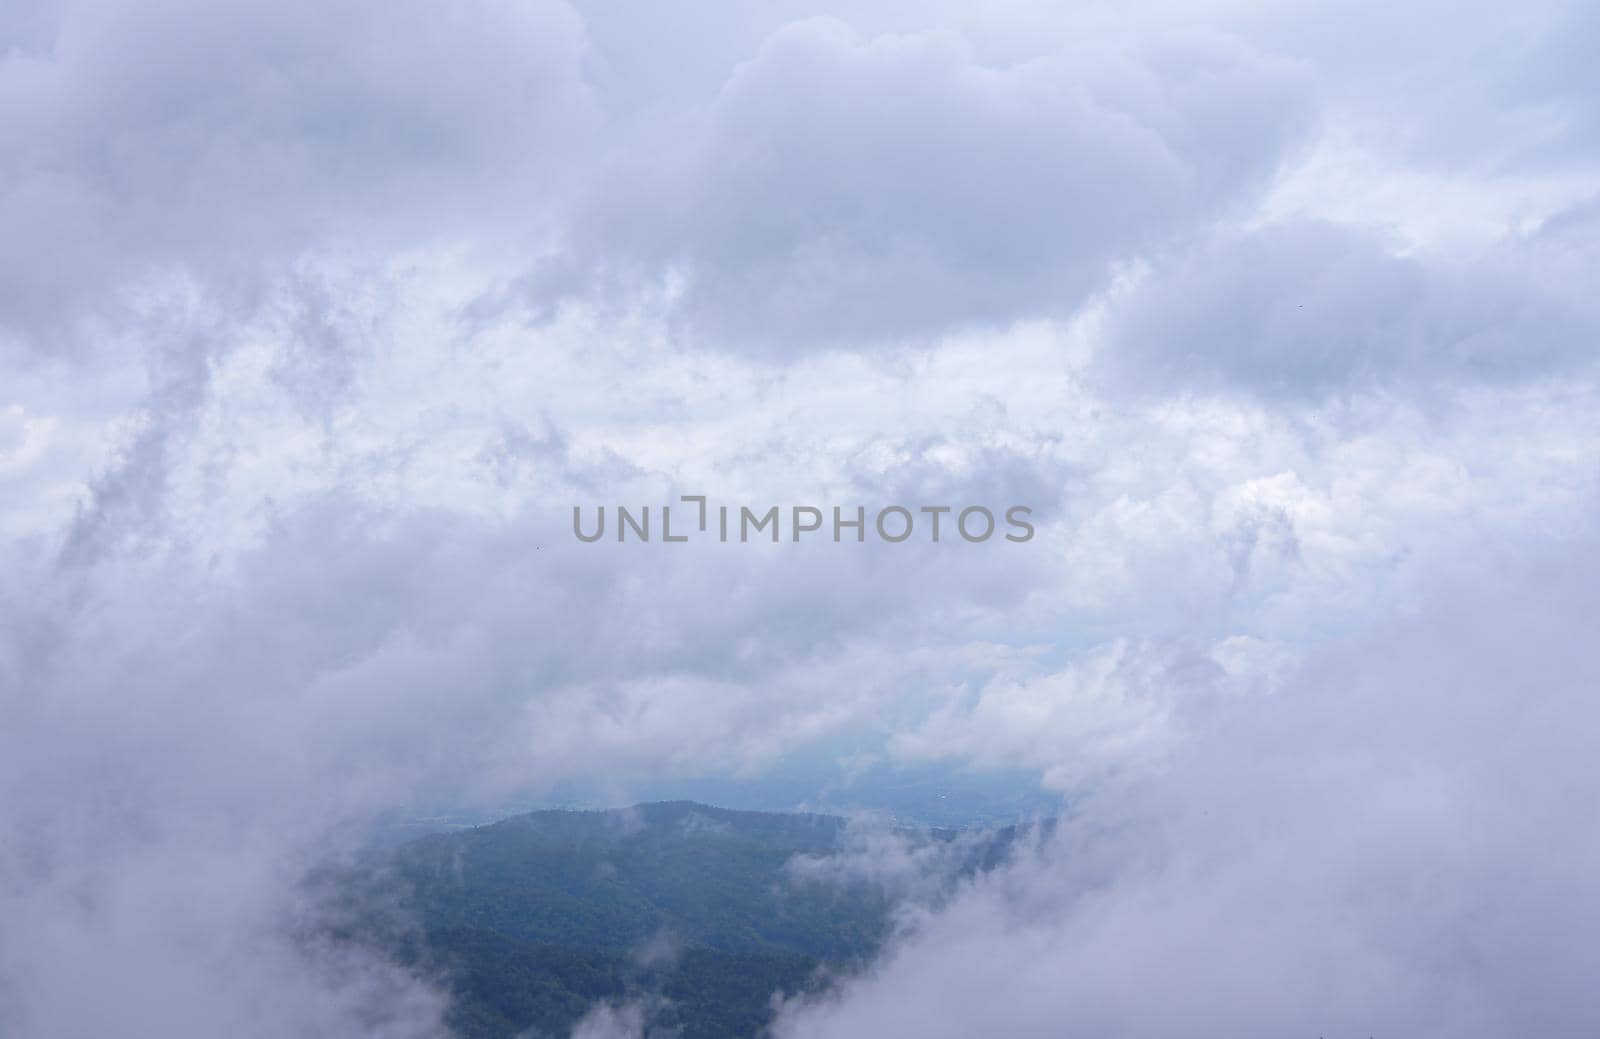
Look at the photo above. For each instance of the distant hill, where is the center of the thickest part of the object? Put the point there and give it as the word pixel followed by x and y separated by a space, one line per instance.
pixel 532 920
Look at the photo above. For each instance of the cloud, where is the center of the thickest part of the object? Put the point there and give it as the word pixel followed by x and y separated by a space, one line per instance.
pixel 913 870
pixel 1306 309
pixel 187 938
pixel 619 1021
pixel 1114 712
pixel 279 622
pixel 318 320
pixel 144 139
pixel 845 189
pixel 1395 843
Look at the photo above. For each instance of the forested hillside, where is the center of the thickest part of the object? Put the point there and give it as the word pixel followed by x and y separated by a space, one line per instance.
pixel 696 912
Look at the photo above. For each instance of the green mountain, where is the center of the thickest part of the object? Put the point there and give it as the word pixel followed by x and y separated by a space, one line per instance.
pixel 697 912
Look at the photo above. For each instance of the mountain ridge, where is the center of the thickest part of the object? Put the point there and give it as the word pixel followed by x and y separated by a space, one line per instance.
pixel 697 910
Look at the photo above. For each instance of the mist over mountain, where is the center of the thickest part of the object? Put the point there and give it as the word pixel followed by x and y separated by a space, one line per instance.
pixel 696 919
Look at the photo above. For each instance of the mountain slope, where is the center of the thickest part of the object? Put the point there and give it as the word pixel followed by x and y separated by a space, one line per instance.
pixel 696 911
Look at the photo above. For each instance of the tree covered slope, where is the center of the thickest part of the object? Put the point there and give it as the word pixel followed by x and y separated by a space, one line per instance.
pixel 696 914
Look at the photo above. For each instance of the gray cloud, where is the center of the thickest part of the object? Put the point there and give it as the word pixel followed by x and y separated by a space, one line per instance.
pixel 844 189
pixel 144 140
pixel 1395 842
pixel 1308 308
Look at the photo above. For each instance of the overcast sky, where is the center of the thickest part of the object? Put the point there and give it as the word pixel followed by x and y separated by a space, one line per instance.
pixel 317 319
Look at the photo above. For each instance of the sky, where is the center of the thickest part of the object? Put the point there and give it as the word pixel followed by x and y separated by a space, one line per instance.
pixel 317 320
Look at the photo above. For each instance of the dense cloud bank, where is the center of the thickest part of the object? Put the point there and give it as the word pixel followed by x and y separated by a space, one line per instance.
pixel 317 320
pixel 1396 841
pixel 845 190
